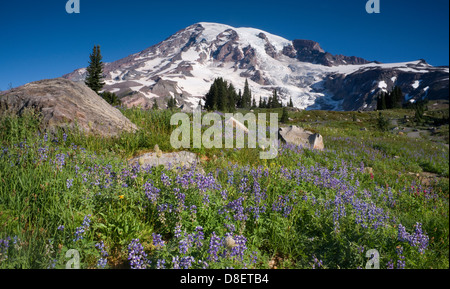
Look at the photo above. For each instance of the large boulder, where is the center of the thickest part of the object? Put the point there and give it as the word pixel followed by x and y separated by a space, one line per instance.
pixel 168 160
pixel 66 104
pixel 298 136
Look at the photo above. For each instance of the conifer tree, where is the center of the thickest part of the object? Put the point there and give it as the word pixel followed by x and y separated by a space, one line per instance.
pixel 284 116
pixel 246 96
pixel 231 98
pixel 171 103
pixel 155 105
pixel 94 78
pixel 291 104
pixel 254 103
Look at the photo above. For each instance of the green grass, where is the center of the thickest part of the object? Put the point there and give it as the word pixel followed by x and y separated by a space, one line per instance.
pixel 288 209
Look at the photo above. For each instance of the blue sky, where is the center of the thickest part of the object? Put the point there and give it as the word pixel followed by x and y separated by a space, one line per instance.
pixel 40 40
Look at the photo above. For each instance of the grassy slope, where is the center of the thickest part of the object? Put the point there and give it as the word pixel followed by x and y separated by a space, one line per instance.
pixel 311 204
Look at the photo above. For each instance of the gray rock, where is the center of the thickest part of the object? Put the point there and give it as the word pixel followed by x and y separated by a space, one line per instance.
pixel 298 136
pixel 66 104
pixel 168 160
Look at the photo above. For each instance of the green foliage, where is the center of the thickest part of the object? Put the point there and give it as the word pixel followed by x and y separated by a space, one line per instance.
pixel 110 97
pixel 390 100
pixel 155 105
pixel 382 122
pixel 296 209
pixel 94 78
pixel 171 103
pixel 284 116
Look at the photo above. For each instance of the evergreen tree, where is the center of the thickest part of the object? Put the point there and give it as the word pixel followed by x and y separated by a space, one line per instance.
pixel 275 102
pixel 221 96
pixel 284 116
pixel 381 102
pixel 254 103
pixel 246 96
pixel 231 98
pixel 171 103
pixel 291 104
pixel 397 97
pixel 94 78
pixel 110 97
pixel 383 123
pixel 155 105
pixel 264 104
pixel 239 102
pixel 269 103
pixel 211 97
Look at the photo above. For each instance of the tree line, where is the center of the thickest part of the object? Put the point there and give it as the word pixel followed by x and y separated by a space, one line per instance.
pixel 222 96
pixel 390 100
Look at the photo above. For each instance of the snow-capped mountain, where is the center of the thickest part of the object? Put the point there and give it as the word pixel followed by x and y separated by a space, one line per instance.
pixel 185 65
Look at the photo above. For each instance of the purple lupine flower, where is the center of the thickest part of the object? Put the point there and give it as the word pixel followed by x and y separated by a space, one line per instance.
pixel 239 249
pixel 157 241
pixel 69 183
pixel 214 245
pixel 177 231
pixel 80 231
pixel 160 264
pixel 137 256
pixel 198 236
pixel 104 254
pixel 165 179
pixel 176 262
pixel 390 265
pixel 186 262
pixel 316 262
pixel 151 192
pixel 401 259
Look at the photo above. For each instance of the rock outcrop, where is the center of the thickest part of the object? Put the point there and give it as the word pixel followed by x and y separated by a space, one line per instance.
pixel 168 160
pixel 298 136
pixel 66 104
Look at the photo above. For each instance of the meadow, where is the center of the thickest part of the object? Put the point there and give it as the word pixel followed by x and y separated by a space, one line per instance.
pixel 304 209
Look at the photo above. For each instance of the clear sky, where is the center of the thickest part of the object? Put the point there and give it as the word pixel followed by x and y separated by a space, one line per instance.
pixel 40 40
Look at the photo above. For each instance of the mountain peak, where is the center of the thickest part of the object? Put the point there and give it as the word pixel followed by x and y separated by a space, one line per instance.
pixel 185 65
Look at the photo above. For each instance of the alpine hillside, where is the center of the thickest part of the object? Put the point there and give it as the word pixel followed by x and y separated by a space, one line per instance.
pixel 185 65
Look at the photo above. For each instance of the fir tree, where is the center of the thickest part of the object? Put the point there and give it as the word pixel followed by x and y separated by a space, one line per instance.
pixel 397 97
pixel 239 102
pixel 284 116
pixel 155 105
pixel 246 96
pixel 264 104
pixel 275 102
pixel 211 97
pixel 94 78
pixel 291 104
pixel 171 103
pixel 110 97
pixel 231 98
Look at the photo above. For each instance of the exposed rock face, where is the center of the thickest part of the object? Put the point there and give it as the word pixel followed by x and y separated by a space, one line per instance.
pixel 298 136
pixel 360 89
pixel 310 51
pixel 66 104
pixel 168 160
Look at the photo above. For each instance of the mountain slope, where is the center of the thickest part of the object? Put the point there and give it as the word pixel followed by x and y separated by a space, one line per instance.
pixel 185 65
